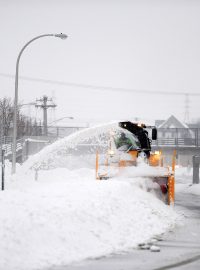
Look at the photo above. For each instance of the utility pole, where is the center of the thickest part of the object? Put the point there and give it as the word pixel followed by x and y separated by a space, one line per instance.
pixel 45 105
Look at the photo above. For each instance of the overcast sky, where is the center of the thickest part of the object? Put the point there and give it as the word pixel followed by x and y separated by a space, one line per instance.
pixel 141 45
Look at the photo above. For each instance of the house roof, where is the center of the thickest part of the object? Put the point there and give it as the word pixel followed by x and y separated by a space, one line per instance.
pixel 172 122
pixel 159 122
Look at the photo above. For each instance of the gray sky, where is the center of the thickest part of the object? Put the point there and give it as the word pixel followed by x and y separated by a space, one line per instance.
pixel 142 45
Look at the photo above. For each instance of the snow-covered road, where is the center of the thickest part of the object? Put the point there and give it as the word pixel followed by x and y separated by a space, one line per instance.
pixel 180 248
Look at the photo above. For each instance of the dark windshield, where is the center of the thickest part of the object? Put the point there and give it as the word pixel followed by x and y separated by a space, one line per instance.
pixel 126 140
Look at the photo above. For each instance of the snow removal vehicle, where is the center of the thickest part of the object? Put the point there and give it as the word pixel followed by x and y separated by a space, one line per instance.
pixel 129 145
pixel 121 149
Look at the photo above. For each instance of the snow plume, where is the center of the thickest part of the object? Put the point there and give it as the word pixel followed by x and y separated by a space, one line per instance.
pixel 67 216
pixel 58 154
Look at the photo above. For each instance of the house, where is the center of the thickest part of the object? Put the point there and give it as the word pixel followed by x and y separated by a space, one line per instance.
pixel 171 122
pixel 173 128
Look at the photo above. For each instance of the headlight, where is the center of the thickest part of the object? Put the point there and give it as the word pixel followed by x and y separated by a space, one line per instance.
pixel 141 125
pixel 111 152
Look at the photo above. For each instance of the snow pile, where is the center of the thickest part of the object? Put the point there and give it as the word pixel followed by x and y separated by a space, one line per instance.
pixel 183 177
pixel 67 216
pixel 144 170
pixel 193 189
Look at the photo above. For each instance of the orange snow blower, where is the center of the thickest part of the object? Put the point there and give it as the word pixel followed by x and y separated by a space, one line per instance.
pixel 129 144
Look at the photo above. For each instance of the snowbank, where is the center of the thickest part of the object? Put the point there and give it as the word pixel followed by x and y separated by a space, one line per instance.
pixel 188 188
pixel 183 176
pixel 67 216
pixel 194 189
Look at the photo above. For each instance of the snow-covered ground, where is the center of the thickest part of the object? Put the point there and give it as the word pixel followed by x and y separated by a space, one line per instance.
pixel 66 215
pixel 184 181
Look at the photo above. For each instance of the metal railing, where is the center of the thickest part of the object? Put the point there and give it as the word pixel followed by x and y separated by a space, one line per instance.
pixel 178 137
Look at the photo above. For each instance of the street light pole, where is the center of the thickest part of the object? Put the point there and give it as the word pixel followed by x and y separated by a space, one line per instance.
pixel 62 36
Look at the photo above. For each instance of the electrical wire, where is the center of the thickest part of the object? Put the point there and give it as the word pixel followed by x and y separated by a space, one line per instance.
pixel 105 88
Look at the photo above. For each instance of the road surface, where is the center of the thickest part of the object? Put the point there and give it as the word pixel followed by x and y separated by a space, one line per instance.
pixel 179 249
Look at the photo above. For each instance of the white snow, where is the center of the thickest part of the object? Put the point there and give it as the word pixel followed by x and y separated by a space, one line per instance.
pixel 67 216
pixel 183 176
pixel 194 189
pixel 155 248
pixel 54 154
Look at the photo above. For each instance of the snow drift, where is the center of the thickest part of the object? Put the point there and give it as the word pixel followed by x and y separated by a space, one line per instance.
pixel 67 216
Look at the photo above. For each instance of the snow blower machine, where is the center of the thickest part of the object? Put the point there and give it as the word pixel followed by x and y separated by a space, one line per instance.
pixel 130 145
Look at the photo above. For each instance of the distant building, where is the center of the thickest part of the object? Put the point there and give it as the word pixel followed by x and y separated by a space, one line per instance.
pixel 174 134
pixel 171 122
pixel 173 128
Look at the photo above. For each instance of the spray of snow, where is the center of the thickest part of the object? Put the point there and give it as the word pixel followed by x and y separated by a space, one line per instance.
pixel 57 154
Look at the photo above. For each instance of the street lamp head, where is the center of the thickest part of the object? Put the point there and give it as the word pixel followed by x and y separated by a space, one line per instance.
pixel 61 35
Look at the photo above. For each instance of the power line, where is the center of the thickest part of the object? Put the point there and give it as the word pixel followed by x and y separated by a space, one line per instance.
pixel 105 88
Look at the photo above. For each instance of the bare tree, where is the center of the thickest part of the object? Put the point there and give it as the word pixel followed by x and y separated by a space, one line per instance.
pixel 6 115
pixel 26 126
